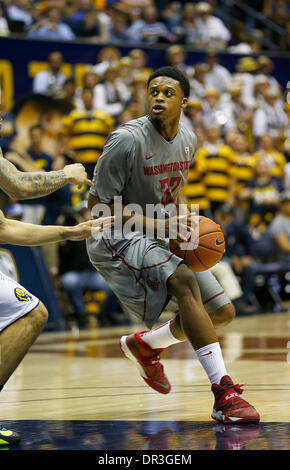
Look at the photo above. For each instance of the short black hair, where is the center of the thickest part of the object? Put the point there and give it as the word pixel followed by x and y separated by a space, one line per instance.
pixel 174 73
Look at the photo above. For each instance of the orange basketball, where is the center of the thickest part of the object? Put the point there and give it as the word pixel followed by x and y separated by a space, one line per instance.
pixel 205 247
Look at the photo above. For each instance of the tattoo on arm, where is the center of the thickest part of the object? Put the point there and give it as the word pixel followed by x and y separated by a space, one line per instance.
pixel 41 183
pixel 21 185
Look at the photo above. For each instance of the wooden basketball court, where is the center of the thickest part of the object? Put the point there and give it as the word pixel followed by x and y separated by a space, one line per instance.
pixel 75 390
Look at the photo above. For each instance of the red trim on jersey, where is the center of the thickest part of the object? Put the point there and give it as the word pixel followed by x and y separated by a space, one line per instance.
pixel 211 298
pixel 158 264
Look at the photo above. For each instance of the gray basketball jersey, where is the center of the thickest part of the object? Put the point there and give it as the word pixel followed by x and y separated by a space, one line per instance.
pixel 138 164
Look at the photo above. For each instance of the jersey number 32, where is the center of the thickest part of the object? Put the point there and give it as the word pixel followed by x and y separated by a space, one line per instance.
pixel 169 186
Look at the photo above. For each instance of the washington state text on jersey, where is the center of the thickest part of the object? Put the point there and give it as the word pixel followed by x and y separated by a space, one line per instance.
pixel 166 167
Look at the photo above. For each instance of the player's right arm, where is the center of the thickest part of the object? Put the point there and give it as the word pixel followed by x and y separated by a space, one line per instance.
pixel 20 233
pixel 22 185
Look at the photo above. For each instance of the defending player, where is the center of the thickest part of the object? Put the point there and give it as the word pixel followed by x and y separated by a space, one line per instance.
pixel 22 315
pixel 145 162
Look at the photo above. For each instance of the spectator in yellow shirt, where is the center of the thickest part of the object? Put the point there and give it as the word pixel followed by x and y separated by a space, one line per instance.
pixel 243 169
pixel 194 189
pixel 85 131
pixel 218 160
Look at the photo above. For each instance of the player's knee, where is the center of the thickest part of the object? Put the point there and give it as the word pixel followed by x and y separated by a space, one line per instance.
pixel 181 282
pixel 39 316
pixel 227 313
pixel 231 312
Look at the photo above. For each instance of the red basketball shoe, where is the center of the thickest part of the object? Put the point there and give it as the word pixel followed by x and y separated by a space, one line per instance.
pixel 229 407
pixel 147 361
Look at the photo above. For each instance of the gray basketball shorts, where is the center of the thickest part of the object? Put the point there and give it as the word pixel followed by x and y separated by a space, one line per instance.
pixel 138 275
pixel 15 301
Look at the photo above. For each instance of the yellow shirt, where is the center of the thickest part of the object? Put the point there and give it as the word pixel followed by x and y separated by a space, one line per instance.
pixel 194 189
pixel 243 170
pixel 88 131
pixel 218 165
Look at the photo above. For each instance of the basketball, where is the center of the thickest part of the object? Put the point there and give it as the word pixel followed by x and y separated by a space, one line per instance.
pixel 205 247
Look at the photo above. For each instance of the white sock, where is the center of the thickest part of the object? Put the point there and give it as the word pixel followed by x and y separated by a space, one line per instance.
pixel 211 359
pixel 160 337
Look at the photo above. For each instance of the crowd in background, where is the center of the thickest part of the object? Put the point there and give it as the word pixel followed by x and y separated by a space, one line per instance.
pixel 216 23
pixel 241 171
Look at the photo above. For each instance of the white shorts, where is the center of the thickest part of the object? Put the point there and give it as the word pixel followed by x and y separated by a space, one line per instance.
pixel 15 301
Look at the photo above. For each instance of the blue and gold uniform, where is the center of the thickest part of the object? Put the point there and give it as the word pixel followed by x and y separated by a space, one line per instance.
pixel 42 160
pixel 263 202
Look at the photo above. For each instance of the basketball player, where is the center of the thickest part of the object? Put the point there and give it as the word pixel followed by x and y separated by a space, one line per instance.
pixel 22 315
pixel 145 162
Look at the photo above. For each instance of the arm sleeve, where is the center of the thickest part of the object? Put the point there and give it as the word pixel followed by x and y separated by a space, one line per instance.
pixel 113 168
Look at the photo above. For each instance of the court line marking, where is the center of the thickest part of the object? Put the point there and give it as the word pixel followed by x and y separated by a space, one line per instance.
pixel 96 387
pixel 111 395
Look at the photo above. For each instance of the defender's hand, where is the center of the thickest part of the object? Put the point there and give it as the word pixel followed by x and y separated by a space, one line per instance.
pixel 77 174
pixel 180 228
pixel 91 227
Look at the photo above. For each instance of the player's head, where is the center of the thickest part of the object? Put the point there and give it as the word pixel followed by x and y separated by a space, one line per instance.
pixel 168 91
pixel 174 73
